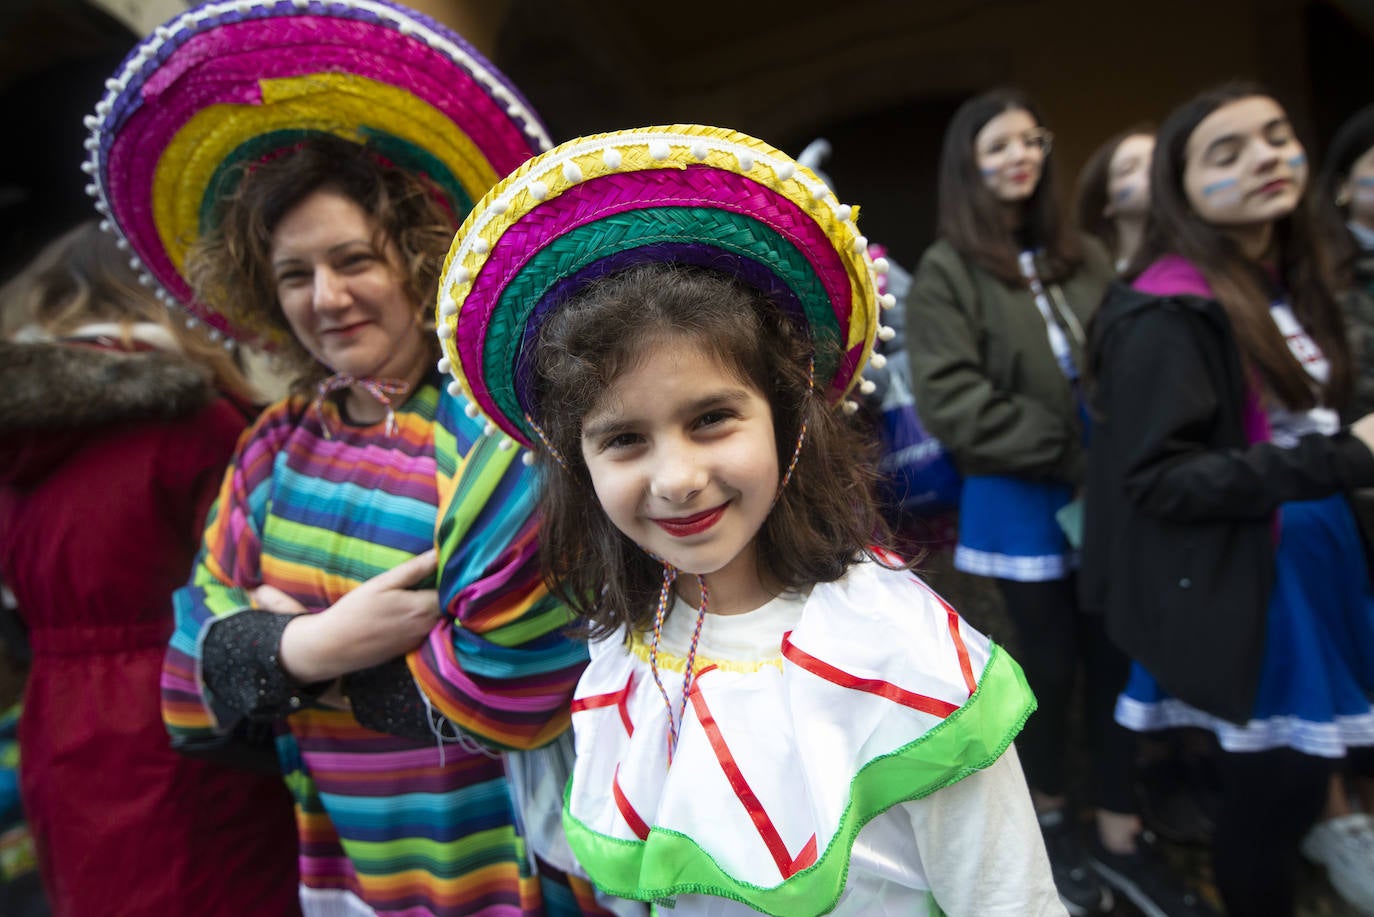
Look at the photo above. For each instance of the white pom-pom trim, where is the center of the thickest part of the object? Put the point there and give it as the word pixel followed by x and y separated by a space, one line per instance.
pixel 886 334
pixel 878 361
pixel 445 365
pixel 471 410
pixel 658 149
pixel 444 331
pixel 611 158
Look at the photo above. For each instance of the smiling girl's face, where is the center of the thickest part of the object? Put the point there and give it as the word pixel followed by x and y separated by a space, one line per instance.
pixel 1010 152
pixel 681 453
pixel 1244 166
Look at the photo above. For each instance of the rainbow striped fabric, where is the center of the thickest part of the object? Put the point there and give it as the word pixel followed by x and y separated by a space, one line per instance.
pixel 315 507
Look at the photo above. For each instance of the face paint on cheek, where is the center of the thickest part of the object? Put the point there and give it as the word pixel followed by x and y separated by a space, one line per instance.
pixel 1224 191
pixel 1298 161
pixel 1364 189
pixel 988 173
pixel 1125 194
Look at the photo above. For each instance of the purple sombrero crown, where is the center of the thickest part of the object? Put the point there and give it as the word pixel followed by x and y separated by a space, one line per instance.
pixel 686 193
pixel 231 83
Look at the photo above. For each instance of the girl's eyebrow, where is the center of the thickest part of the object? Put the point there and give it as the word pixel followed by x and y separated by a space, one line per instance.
pixel 616 423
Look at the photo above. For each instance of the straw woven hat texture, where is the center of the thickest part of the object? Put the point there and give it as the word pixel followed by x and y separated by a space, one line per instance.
pixel 684 193
pixel 231 83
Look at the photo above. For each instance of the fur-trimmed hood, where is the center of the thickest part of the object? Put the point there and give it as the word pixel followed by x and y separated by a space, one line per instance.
pixel 53 393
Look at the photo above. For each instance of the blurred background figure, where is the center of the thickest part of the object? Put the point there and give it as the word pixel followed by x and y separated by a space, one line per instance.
pixel 1344 201
pixel 1220 543
pixel 1113 193
pixel 996 320
pixel 116 424
pixel 1343 839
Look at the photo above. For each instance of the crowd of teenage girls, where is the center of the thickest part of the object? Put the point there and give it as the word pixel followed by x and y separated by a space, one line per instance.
pixel 1160 409
pixel 1162 417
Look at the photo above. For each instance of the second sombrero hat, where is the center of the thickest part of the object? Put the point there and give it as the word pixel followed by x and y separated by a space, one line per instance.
pixel 685 193
pixel 231 83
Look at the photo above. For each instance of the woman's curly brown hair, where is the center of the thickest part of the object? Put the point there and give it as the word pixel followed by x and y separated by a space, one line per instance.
pixel 230 266
pixel 826 517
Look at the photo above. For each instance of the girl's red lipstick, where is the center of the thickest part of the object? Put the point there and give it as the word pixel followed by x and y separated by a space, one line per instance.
pixel 682 526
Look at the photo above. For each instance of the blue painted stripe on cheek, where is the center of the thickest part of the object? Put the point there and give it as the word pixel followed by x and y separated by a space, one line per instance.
pixel 1298 161
pixel 1217 187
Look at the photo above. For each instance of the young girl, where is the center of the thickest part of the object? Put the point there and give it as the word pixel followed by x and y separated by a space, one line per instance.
pixel 776 716
pixel 1344 204
pixel 1113 193
pixel 1220 543
pixel 996 316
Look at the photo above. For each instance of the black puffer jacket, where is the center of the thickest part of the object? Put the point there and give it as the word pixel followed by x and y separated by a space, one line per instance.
pixel 1178 532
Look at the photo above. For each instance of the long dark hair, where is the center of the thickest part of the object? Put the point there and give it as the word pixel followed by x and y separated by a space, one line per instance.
pixel 1353 140
pixel 230 267
pixel 971 217
pixel 826 517
pixel 1242 286
pixel 1090 193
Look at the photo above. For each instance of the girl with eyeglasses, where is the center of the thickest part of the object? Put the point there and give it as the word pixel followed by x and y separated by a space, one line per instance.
pixel 996 320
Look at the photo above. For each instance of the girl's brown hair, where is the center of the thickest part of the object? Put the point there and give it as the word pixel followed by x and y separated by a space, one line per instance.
pixel 82 278
pixel 1353 140
pixel 826 517
pixel 1243 287
pixel 1090 193
pixel 972 218
pixel 230 266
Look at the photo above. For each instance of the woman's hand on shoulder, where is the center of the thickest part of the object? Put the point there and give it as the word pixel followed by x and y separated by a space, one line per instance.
pixel 379 620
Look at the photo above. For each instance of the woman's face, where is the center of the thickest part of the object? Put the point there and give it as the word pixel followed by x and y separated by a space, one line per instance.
pixel 343 296
pixel 1357 191
pixel 1243 165
pixel 1128 178
pixel 1010 153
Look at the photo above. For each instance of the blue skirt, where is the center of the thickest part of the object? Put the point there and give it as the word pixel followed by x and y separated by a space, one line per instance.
pixel 1317 679
pixel 1007 529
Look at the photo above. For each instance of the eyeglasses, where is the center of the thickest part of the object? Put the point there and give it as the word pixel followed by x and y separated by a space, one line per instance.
pixel 1038 138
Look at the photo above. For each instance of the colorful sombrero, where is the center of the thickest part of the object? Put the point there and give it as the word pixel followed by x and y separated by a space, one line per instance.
pixel 236 82
pixel 686 193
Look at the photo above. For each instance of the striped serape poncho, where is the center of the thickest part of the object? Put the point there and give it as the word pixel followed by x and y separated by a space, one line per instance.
pixel 389 823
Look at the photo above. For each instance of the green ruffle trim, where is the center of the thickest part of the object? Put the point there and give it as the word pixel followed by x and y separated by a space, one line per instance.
pixel 669 863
